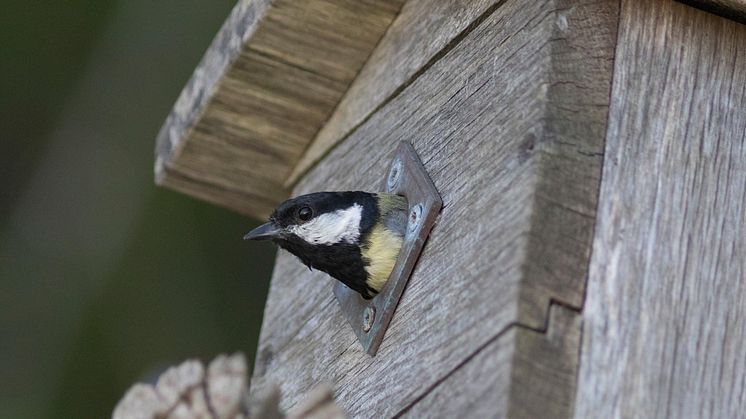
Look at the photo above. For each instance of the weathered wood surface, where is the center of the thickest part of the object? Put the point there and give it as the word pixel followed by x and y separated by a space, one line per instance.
pixel 545 367
pixel 479 388
pixel 399 56
pixel 665 316
pixel 520 99
pixel 523 373
pixel 732 9
pixel 271 77
pixel 318 404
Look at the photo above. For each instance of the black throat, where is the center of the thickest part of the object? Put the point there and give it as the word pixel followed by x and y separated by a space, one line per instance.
pixel 343 261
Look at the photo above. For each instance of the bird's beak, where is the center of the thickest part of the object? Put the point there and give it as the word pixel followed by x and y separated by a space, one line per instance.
pixel 265 231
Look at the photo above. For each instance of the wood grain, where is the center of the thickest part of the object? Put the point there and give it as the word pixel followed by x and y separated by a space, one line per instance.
pixel 732 9
pixel 519 99
pixel 665 316
pixel 318 404
pixel 545 365
pixel 271 77
pixel 523 373
pixel 400 54
pixel 480 388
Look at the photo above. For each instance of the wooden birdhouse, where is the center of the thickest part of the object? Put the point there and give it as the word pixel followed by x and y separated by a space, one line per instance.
pixel 589 259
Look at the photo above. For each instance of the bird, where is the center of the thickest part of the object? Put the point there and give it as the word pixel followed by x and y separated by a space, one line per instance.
pixel 353 236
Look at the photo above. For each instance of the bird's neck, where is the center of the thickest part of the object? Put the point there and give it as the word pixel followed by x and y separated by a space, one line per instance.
pixel 381 245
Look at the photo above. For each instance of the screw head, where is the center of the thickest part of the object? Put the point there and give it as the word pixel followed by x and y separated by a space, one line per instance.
pixel 369 315
pixel 394 175
pixel 415 218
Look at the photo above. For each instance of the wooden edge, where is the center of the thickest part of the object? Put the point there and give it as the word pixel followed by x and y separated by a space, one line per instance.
pixel 569 151
pixel 225 47
pixel 318 404
pixel 395 63
pixel 265 86
pixel 731 9
pixel 545 366
pixel 520 373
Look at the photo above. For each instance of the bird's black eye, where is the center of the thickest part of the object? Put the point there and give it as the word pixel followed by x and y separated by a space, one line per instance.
pixel 305 213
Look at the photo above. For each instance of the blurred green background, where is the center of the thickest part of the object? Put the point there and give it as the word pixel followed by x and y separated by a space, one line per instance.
pixel 104 278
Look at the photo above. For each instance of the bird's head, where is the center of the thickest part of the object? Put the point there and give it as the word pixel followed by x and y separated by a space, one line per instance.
pixel 319 219
pixel 353 236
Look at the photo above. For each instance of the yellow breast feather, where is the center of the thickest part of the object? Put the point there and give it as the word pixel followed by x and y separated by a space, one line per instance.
pixel 381 252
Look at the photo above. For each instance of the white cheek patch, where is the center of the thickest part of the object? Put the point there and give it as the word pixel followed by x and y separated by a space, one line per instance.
pixel 333 227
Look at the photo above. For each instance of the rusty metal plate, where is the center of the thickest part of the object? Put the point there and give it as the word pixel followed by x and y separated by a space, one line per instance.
pixel 370 318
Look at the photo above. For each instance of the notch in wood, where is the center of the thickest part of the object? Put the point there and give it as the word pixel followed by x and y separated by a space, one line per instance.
pixel 407 177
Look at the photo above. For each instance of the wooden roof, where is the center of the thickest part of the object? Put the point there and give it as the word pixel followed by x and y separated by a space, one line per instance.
pixel 274 93
pixel 272 76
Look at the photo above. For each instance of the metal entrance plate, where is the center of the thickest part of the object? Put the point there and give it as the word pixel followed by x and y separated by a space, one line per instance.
pixel 370 318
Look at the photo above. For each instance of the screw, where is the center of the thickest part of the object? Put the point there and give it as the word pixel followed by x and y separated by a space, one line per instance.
pixel 394 175
pixel 415 218
pixel 368 316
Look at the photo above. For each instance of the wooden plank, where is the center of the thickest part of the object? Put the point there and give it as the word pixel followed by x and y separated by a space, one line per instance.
pixel 319 404
pixel 665 316
pixel 271 77
pixel 478 389
pixel 545 367
pixel 732 9
pixel 523 373
pixel 490 120
pixel 568 151
pixel 400 54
